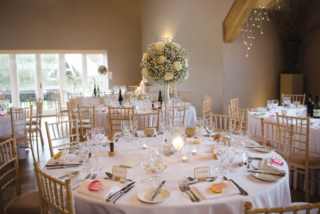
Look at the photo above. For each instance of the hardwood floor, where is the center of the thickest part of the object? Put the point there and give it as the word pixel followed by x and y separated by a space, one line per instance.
pixel 29 184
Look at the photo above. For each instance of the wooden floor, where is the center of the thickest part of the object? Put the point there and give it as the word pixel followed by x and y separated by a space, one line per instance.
pixel 29 184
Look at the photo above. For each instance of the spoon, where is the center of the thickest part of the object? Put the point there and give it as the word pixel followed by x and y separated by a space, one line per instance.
pixel 192 179
pixel 111 177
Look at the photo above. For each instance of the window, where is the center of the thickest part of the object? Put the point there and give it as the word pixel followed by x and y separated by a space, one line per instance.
pixel 5 85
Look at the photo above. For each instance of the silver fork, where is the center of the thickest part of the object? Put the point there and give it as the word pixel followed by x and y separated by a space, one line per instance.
pixel 182 189
pixel 81 181
pixel 187 187
pixel 94 176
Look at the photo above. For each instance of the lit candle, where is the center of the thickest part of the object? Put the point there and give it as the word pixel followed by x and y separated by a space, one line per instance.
pixel 178 143
pixel 144 146
pixel 185 158
pixel 194 152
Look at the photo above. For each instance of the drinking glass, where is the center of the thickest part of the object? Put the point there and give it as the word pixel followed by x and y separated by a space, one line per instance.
pixel 220 151
pixel 275 103
pixel 125 129
pixel 146 162
pixel 99 133
pixel 158 162
pixel 199 126
pixel 230 156
pixel 243 140
pixel 96 149
pixel 210 128
pixel 90 135
pixel 134 126
pixel 84 151
pixel 269 104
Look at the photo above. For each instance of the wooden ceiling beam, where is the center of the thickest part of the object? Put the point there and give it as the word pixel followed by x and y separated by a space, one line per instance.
pixel 236 18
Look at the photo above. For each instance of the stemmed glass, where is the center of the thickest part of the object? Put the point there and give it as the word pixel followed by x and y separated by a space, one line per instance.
pixel 146 162
pixel 84 151
pixel 199 127
pixel 125 129
pixel 210 128
pixel 99 133
pixel 96 149
pixel 90 135
pixel 158 162
pixel 275 104
pixel 134 126
pixel 230 156
pixel 221 148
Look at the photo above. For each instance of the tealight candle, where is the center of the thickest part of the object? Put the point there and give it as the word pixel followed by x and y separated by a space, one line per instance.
pixel 144 146
pixel 185 158
pixel 194 152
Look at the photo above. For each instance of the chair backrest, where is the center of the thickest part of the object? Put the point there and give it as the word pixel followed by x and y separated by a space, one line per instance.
pixel 149 120
pixel 39 112
pixel 179 114
pixel 132 88
pixel 8 155
pixel 87 115
pixel 281 210
pixel 225 122
pixel 207 97
pixel 19 117
pixel 65 133
pixel 33 101
pixel 2 96
pixel 70 109
pixel 76 102
pixel 278 134
pixel 240 112
pixel 186 96
pixel 54 193
pixel 206 108
pixel 118 114
pixel 296 97
pixel 234 103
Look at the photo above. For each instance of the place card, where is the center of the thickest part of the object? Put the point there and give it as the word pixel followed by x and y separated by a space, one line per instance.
pixel 129 164
pixel 201 172
pixel 118 171
pixel 283 111
pixel 190 132
pixel 148 132
pixel 296 103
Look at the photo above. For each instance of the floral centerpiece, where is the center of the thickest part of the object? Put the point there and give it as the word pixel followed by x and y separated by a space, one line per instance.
pixel 165 62
pixel 143 96
pixel 102 70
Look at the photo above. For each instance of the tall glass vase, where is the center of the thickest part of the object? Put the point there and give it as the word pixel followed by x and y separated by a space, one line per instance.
pixel 166 101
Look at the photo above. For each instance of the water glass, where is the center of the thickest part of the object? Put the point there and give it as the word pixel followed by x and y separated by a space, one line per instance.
pixel 96 149
pixel 146 162
pixel 210 128
pixel 230 156
pixel 158 163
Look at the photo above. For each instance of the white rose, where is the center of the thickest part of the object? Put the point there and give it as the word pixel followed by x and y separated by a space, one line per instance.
pixel 168 76
pixel 186 63
pixel 160 46
pixel 145 72
pixel 145 56
pixel 177 66
pixel 162 59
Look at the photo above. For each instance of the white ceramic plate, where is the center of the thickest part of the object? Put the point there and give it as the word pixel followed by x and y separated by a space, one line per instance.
pixel 65 173
pixel 264 150
pixel 266 177
pixel 145 195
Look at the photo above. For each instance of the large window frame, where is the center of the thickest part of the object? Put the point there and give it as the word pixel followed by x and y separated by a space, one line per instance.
pixel 14 82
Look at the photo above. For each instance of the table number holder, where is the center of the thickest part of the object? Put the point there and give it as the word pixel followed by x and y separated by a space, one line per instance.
pixel 148 132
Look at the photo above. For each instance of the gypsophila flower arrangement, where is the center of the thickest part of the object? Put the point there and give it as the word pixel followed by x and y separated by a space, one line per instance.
pixel 165 62
pixel 102 70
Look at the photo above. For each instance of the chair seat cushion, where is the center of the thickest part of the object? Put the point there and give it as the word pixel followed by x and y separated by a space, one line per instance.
pixel 19 138
pixel 256 139
pixel 28 203
pixel 299 158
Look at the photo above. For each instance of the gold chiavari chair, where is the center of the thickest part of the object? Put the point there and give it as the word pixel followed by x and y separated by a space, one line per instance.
pixel 75 103
pixel 303 160
pixel 296 209
pixel 65 132
pixel 224 122
pixel 234 103
pixel 102 98
pixel 61 111
pixel 118 114
pixel 54 193
pixel 149 120
pixel 186 96
pixel 132 88
pixel 26 203
pixel 2 96
pixel 295 97
pixel 20 128
pixel 206 107
pixel 179 114
pixel 87 119
pixel 278 134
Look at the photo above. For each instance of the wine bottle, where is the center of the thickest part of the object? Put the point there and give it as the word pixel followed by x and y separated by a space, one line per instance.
pixel 310 106
pixel 95 90
pixel 98 91
pixel 120 98
pixel 160 101
pixel 316 108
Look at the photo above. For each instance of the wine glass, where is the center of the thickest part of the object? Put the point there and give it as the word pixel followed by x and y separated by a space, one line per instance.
pixel 84 151
pixel 210 128
pixel 125 128
pixel 158 162
pixel 220 151
pixel 96 149
pixel 146 162
pixel 134 126
pixel 99 133
pixel 90 135
pixel 275 103
pixel 230 156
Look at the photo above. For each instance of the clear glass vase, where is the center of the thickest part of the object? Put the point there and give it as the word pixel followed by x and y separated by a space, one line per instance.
pixel 166 101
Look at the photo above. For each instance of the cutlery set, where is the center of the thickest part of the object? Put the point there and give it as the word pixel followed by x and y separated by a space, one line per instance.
pixel 158 190
pixel 81 181
pixel 184 187
pixel 112 177
pixel 121 193
pixel 62 166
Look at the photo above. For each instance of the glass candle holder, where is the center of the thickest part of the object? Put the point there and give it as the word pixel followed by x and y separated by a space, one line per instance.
pixel 194 150
pixel 186 152
pixel 178 142
pixel 144 144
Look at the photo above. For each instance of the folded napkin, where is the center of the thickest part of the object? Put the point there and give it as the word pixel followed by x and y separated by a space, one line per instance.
pixel 65 158
pixel 203 190
pixel 106 190
pixel 1 115
pixel 267 164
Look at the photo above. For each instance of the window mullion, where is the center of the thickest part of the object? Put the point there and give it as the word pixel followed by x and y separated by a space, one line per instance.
pixel 62 79
pixel 14 82
pixel 84 71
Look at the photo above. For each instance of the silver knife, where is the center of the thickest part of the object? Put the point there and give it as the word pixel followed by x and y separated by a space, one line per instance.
pixel 210 180
pixel 125 192
pixel 69 164
pixel 256 158
pixel 267 173
pixel 158 190
pixel 69 174
pixel 119 192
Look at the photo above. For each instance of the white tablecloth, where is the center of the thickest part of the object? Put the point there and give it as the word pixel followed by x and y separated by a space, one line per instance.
pixel 90 101
pixel 261 193
pixel 314 145
pixel 6 129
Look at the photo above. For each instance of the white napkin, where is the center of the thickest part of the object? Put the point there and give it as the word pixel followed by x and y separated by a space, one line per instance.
pixel 278 168
pixel 65 158
pixel 201 190
pixel 267 164
pixel 106 190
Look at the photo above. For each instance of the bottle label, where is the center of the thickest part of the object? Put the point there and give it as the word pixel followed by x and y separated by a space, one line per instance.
pixel 316 112
pixel 159 105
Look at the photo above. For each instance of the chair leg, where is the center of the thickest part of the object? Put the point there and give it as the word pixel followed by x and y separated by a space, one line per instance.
pixel 37 146
pixel 42 143
pixel 31 146
pixel 306 182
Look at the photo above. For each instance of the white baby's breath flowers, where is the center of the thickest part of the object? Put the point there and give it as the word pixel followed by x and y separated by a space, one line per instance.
pixel 177 66
pixel 168 76
pixel 160 45
pixel 162 59
pixel 145 72
pixel 145 57
pixel 165 62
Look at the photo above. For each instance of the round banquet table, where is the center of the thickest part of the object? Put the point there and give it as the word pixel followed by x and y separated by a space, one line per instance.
pixel 261 193
pixel 314 146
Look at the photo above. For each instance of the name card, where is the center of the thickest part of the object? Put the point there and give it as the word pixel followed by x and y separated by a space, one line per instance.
pixel 190 132
pixel 201 172
pixel 296 103
pixel 285 112
pixel 118 171
pixel 148 132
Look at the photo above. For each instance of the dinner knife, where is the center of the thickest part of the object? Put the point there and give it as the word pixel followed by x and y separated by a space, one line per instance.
pixel 208 180
pixel 119 192
pixel 69 174
pixel 158 190
pixel 268 173
pixel 256 158
pixel 69 164
pixel 125 192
